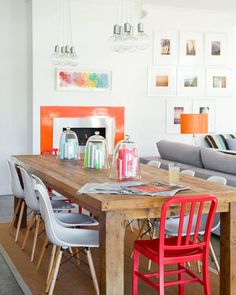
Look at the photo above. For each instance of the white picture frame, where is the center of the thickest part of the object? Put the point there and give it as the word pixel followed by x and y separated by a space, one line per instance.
pixel 161 81
pixel 166 48
pixel 206 106
pixel 219 82
pixel 174 108
pixel 216 49
pixel 191 81
pixel 191 48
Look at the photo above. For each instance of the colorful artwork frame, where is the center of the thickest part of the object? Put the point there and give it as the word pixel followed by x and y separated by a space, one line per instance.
pixel 173 110
pixel 69 79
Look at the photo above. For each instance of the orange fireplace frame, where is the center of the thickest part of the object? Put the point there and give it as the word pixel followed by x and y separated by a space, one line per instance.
pixel 47 113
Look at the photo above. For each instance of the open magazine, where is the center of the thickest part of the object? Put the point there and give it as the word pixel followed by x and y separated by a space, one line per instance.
pixel 132 188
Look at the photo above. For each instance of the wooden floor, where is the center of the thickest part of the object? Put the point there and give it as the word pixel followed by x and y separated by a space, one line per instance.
pixel 71 280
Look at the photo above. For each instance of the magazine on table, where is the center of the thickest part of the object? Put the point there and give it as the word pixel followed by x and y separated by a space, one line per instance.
pixel 132 188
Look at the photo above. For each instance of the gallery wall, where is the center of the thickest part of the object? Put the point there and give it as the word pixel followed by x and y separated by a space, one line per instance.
pixel 145 116
pixel 16 81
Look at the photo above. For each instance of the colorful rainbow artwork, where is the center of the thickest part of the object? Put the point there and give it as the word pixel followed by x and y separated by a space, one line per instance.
pixel 71 79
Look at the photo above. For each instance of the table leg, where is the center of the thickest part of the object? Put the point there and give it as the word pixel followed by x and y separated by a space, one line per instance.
pixel 228 251
pixel 111 248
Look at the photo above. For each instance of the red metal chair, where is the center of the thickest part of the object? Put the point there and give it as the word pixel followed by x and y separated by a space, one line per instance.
pixel 178 250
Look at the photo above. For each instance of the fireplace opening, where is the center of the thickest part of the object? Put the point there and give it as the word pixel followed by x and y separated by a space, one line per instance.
pixel 84 133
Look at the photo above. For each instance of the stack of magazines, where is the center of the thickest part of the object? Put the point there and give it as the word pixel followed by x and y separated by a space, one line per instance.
pixel 132 188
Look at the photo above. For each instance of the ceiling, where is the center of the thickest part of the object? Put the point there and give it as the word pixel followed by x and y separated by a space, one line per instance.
pixel 213 5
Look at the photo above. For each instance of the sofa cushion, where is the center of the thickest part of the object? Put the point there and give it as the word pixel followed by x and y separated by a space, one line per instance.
pixel 180 152
pixel 231 142
pixel 218 141
pixel 215 160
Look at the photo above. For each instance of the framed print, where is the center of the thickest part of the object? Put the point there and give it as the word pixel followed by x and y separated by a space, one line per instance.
pixel 191 48
pixel 166 48
pixel 173 111
pixel 219 82
pixel 215 49
pixel 206 106
pixel 161 81
pixel 191 81
pixel 82 80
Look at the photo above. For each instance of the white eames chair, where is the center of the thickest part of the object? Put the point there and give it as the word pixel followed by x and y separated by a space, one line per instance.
pixel 65 238
pixel 188 172
pixel 19 195
pixel 66 219
pixel 154 163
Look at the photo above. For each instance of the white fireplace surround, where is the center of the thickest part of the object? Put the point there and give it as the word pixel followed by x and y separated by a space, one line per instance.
pixel 88 122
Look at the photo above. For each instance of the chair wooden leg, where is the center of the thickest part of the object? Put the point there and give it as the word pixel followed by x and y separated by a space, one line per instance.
pixel 55 272
pixel 214 258
pixel 54 247
pixel 28 231
pixel 20 220
pixel 19 201
pixel 92 270
pixel 199 269
pixel 45 243
pixel 153 236
pixel 38 220
pixel 130 225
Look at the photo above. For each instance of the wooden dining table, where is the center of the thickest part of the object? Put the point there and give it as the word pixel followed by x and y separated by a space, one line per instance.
pixel 113 211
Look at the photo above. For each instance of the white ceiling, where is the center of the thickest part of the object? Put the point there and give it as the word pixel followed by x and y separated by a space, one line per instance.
pixel 214 5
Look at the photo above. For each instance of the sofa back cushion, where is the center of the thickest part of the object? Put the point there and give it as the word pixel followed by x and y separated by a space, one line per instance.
pixel 215 160
pixel 180 152
pixel 218 141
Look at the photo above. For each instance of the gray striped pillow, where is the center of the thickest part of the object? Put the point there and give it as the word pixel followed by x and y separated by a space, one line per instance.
pixel 218 141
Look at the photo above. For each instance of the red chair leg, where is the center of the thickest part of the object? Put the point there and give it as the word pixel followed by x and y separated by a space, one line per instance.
pixel 206 279
pixel 161 279
pixel 135 268
pixel 181 278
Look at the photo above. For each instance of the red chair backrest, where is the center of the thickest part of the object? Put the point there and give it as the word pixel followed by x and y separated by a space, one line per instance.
pixel 191 206
pixel 52 151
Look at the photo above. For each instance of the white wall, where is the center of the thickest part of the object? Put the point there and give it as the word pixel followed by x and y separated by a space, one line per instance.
pixel 145 117
pixel 15 89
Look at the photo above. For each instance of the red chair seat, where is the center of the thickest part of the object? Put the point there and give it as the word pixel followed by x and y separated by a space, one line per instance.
pixel 150 249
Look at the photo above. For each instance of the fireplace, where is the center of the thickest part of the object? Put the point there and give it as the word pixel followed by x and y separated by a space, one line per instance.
pixel 84 128
pixel 109 121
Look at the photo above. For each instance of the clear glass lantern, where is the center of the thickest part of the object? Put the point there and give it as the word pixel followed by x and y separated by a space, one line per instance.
pixel 69 146
pixel 96 155
pixel 125 162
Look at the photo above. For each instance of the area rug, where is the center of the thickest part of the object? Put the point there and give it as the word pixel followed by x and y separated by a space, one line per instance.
pixel 11 282
pixel 71 281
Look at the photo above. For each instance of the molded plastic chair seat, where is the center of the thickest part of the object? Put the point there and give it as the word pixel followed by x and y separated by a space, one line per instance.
pixel 188 172
pixel 75 219
pixel 154 163
pixel 62 205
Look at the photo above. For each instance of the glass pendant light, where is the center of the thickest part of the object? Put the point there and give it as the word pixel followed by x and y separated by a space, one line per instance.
pixel 124 37
pixel 64 52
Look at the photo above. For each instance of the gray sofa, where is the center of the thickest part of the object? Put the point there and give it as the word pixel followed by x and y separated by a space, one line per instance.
pixel 204 161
